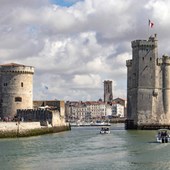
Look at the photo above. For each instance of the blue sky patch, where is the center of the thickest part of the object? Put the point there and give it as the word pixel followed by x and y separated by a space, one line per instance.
pixel 66 3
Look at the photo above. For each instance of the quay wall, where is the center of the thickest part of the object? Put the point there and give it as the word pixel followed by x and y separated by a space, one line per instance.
pixel 26 129
pixel 118 120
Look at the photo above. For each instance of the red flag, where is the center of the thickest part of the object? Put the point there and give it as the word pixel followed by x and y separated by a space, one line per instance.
pixel 151 24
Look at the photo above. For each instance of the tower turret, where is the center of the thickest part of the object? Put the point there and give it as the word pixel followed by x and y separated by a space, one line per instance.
pixel 166 83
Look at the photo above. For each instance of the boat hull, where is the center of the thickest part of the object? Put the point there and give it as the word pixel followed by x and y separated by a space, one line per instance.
pixel 163 136
pixel 163 139
pixel 104 132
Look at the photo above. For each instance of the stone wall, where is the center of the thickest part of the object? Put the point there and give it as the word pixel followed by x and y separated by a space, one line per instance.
pixel 25 129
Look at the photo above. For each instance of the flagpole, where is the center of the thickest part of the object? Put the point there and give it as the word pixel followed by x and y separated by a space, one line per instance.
pixel 150 25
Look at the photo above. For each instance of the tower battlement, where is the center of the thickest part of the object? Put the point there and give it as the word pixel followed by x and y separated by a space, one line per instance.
pixel 166 60
pixel 145 43
pixel 128 63
pixel 16 68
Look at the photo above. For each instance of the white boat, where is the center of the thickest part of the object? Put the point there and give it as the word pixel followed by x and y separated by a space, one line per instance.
pixel 99 123
pixel 104 130
pixel 163 136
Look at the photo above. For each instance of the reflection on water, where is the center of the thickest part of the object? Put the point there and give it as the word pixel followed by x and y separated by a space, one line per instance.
pixel 84 148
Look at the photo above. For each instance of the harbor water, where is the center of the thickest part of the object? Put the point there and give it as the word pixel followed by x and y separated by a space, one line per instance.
pixel 84 148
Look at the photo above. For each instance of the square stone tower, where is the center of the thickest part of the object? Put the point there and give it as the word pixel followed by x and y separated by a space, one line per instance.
pixel 108 96
pixel 148 87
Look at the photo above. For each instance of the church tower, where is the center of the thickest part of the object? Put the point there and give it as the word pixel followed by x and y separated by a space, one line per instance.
pixel 108 96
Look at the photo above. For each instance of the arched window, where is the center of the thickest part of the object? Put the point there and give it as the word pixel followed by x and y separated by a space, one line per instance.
pixel 22 84
pixel 18 99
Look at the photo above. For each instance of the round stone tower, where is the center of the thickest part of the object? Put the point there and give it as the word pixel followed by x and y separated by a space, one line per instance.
pixel 16 88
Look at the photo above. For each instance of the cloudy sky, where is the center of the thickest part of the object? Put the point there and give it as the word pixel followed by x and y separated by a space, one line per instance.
pixel 75 45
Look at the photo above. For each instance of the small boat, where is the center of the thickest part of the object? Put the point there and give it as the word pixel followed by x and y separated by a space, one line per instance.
pixel 104 130
pixel 163 136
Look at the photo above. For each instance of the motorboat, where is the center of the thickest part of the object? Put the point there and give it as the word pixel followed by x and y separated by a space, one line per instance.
pixel 104 130
pixel 163 136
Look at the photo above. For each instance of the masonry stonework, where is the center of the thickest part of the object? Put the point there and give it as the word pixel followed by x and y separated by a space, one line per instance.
pixel 108 96
pixel 148 87
pixel 16 88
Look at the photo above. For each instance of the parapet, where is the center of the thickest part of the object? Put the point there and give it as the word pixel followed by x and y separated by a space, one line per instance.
pixel 128 63
pixel 16 68
pixel 152 42
pixel 166 60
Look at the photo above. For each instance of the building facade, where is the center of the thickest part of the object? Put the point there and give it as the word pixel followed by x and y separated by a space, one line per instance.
pixel 85 111
pixel 93 110
pixel 148 86
pixel 108 96
pixel 16 88
pixel 118 110
pixel 122 102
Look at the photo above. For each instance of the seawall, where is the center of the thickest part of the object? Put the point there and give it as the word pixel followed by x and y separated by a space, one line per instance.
pixel 26 129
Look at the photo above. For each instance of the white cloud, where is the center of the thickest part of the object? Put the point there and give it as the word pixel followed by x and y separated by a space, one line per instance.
pixel 87 81
pixel 74 49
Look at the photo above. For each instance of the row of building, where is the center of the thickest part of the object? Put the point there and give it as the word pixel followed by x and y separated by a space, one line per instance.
pixel 94 110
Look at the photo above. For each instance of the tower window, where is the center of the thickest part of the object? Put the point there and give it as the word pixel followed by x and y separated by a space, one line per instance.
pixel 18 99
pixel 22 84
pixel 5 84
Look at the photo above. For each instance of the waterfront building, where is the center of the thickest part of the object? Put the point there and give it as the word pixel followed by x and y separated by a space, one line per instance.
pixel 108 96
pixel 16 88
pixel 85 111
pixel 90 110
pixel 96 108
pixel 118 110
pixel 148 86
pixel 122 102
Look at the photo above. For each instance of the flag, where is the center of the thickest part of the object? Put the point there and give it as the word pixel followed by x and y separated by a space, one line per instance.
pixel 151 24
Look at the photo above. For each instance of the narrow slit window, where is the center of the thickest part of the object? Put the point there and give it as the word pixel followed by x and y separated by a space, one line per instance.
pixel 18 99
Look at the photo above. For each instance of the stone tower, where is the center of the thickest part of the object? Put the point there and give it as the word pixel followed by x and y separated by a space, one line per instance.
pixel 108 96
pixel 16 88
pixel 148 87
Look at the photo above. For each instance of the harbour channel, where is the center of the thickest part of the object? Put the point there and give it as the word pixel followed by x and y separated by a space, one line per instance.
pixel 84 148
